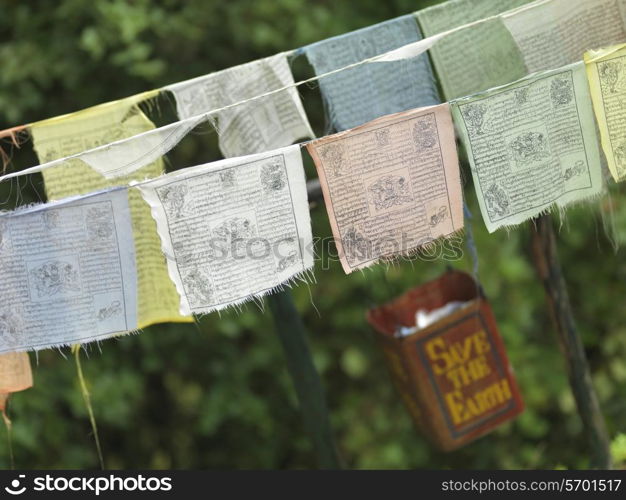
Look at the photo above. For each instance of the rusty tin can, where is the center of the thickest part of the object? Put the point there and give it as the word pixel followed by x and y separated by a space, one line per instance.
pixel 453 375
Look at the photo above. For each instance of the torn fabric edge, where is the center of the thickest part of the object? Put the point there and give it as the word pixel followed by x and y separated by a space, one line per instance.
pixel 117 197
pixel 567 199
pixel 328 154
pixel 299 199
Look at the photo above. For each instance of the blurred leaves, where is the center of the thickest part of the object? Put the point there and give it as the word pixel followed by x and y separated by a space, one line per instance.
pixel 217 393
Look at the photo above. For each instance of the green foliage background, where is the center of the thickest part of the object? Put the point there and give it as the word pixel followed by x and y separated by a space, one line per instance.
pixel 217 394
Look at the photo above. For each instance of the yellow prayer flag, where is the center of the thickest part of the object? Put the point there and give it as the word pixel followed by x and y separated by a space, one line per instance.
pixel 606 71
pixel 157 298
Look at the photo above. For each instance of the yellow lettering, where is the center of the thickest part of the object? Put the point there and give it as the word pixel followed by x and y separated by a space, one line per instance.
pixel 479 368
pixel 454 400
pixel 436 350
pixel 477 404
pixel 481 342
pixel 506 389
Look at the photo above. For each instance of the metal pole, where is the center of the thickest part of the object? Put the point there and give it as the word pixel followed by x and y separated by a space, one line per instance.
pixel 305 378
pixel 549 269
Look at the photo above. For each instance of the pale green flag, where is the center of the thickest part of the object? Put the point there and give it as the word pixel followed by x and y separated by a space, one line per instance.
pixel 475 58
pixel 531 145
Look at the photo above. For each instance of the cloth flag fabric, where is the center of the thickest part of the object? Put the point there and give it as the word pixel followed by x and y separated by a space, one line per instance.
pixel 358 95
pixel 233 230
pixel 556 33
pixel 606 70
pixel 475 58
pixel 69 272
pixel 70 134
pixel 531 144
pixel 390 186
pixel 15 372
pixel 263 124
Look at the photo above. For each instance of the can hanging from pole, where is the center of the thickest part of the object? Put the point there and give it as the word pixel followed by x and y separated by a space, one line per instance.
pixel 452 370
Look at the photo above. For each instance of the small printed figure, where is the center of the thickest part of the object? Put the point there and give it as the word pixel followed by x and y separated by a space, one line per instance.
pixel 287 261
pixel 332 156
pixel 561 91
pixel 389 191
pixel 439 216
pixel 198 287
pixel 497 201
pixel 609 72
pixel 99 224
pixel 529 147
pixel 620 160
pixel 227 178
pixel 55 277
pixel 355 245
pixel 291 256
pixel 577 169
pixel 182 254
pixel 115 309
pixel 425 134
pixel 173 199
pixel 50 218
pixel 11 327
pixel 235 228
pixel 382 137
pixel 273 176
pixel 474 115
pixel 521 95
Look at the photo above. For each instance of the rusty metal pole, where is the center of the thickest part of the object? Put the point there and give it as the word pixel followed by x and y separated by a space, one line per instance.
pixel 548 267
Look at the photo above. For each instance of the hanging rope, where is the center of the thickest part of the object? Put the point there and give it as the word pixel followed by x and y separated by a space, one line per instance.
pixel 87 399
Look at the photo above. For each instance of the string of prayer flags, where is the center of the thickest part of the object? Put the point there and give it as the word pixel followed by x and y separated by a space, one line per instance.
pixel 124 156
pixel 531 144
pixel 70 134
pixel 235 229
pixel 68 272
pixel 557 33
pixel 361 94
pixel 390 186
pixel 271 122
pixel 475 58
pixel 86 129
pixel 606 70
pixel 15 372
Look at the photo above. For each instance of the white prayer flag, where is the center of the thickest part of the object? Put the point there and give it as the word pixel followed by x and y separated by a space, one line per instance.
pixel 68 272
pixel 263 124
pixel 233 230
